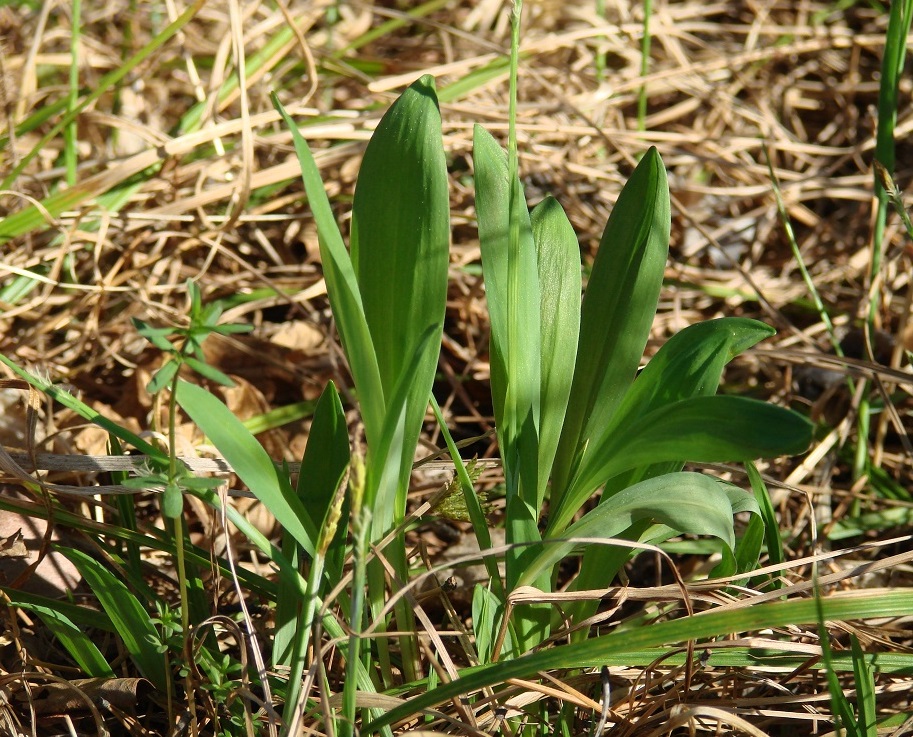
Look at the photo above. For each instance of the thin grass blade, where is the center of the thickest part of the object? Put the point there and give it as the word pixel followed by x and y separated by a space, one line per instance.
pixel 342 288
pixel 76 642
pixel 615 647
pixel 131 621
pixel 866 707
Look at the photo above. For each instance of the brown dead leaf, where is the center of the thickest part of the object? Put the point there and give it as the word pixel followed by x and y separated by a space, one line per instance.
pixel 20 565
pixel 298 335
pixel 13 546
pixel 54 699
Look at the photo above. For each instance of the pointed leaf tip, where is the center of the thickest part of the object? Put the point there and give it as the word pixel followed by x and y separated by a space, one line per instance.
pixel 426 80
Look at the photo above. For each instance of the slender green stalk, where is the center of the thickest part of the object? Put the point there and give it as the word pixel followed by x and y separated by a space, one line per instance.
pixel 361 530
pixel 891 68
pixel 70 132
pixel 390 26
pixel 296 670
pixel 173 473
pixel 842 715
pixel 797 254
pixel 600 52
pixel 645 43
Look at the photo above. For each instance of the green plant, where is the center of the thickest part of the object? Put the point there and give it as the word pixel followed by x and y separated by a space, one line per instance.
pixel 630 437
pixel 593 449
pixel 899 20
pixel 571 416
pixel 388 299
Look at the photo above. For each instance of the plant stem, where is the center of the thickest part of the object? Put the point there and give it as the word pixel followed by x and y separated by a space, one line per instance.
pixel 600 53
pixel 891 68
pixel 173 473
pixel 70 132
pixel 644 67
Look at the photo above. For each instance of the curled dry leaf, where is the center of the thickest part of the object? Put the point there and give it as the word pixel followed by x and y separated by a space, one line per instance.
pixel 52 699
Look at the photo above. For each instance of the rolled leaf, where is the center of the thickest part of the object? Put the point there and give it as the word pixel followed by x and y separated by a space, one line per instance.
pixel 515 329
pixel 558 258
pixel 400 250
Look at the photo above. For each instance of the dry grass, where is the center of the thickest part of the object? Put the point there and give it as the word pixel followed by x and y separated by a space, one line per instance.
pixel 729 83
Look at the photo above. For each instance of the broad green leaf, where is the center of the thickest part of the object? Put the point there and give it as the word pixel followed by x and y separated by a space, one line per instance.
pixel 342 288
pixel 509 262
pixel 249 460
pixel 617 311
pixel 515 338
pixel 400 250
pixel 700 429
pixel 689 364
pixel 326 456
pixel 619 647
pixel 131 621
pixel 686 502
pixel 558 258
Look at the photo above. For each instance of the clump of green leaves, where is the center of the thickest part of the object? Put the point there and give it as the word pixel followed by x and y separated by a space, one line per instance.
pixel 572 412
pixel 573 416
